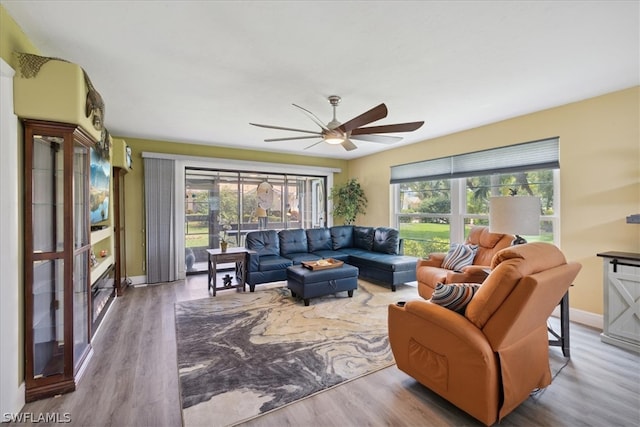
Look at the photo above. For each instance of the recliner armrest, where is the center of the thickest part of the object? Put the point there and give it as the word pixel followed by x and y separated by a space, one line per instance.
pixel 434 260
pixel 469 274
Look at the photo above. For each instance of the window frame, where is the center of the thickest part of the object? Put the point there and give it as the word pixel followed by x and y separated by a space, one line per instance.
pixel 458 216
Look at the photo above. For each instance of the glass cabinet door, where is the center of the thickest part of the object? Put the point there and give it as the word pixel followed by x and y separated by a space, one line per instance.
pixel 47 225
pixel 48 194
pixel 81 246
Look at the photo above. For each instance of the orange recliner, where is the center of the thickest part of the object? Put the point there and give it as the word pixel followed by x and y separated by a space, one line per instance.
pixel 487 361
pixel 429 271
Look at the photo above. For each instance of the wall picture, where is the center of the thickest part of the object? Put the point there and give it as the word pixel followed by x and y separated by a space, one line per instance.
pixel 100 176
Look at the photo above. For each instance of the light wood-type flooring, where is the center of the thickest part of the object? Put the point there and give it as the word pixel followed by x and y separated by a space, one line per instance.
pixel 132 380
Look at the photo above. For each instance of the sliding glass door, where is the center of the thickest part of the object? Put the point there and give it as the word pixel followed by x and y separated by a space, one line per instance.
pixel 239 202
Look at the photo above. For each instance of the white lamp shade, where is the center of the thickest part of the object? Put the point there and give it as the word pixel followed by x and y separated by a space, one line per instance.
pixel 515 215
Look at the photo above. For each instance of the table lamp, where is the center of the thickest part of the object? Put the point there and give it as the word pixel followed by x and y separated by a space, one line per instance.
pixel 515 215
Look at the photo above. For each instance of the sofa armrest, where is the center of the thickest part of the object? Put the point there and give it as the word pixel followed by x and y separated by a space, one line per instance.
pixel 254 261
pixel 434 259
pixel 469 274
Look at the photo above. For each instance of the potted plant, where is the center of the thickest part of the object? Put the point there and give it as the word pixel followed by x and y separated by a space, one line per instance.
pixel 224 237
pixel 349 200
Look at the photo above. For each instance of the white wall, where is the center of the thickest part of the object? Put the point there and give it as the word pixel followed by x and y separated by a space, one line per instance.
pixel 11 383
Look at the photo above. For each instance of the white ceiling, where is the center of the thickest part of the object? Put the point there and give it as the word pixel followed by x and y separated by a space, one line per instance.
pixel 200 71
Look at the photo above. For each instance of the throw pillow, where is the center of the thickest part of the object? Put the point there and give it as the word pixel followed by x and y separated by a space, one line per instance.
pixel 459 256
pixel 454 296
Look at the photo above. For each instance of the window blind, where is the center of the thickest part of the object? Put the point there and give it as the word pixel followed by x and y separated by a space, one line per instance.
pixel 542 154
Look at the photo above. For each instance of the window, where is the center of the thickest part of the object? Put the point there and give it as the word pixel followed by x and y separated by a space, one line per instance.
pixel 436 202
pixel 240 202
pixel 204 190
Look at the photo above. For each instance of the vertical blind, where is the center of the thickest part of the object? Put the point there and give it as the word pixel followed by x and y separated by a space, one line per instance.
pixel 542 154
pixel 159 188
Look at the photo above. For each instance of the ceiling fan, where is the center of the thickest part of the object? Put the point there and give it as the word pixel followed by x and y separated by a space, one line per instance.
pixel 335 132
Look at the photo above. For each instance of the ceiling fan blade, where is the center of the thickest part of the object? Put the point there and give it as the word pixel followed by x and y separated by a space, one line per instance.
pixel 382 139
pixel 312 117
pixel 400 127
pixel 314 144
pixel 348 145
pixel 374 114
pixel 291 138
pixel 283 128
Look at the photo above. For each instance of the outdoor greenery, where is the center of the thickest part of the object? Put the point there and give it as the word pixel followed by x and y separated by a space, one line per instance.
pixel 349 200
pixel 424 231
pixel 427 206
pixel 434 196
pixel 421 239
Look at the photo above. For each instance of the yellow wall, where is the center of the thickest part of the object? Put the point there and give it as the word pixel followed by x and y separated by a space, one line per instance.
pixel 134 196
pixel 13 39
pixel 599 176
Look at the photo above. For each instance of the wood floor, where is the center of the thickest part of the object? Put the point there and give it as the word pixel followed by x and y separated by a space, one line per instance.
pixel 132 380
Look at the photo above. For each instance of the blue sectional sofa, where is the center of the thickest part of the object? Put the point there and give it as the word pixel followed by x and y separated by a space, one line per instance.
pixel 376 251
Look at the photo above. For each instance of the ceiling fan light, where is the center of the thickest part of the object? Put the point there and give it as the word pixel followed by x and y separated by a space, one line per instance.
pixel 334 140
pixel 334 137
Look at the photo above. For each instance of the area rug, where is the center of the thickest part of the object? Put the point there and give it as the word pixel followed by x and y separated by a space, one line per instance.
pixel 241 354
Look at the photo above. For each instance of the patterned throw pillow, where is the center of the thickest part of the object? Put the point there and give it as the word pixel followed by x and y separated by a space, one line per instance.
pixel 459 256
pixel 454 296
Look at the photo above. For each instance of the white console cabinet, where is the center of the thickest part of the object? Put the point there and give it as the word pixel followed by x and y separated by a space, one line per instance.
pixel 621 299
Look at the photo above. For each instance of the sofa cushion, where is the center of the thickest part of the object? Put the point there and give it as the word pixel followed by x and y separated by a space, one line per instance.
pixel 298 257
pixel 386 240
pixel 379 261
pixel 339 255
pixel 273 262
pixel 342 236
pixel 319 239
pixel 293 241
pixel 454 296
pixel 459 256
pixel 264 242
pixel 363 237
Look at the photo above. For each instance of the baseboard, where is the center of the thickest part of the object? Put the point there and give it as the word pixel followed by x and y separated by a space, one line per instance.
pixel 138 280
pixel 586 318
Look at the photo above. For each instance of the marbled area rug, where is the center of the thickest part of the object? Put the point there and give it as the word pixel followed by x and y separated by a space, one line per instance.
pixel 241 355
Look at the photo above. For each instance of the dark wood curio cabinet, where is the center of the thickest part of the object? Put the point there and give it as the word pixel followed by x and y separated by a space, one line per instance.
pixel 57 250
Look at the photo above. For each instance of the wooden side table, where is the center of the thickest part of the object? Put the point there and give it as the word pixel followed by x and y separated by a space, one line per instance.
pixel 238 256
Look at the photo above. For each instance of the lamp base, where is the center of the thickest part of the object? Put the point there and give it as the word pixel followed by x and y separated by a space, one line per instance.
pixel 519 240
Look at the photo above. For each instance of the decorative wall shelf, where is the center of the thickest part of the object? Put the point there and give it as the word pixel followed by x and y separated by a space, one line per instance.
pixel 103 265
pixel 54 90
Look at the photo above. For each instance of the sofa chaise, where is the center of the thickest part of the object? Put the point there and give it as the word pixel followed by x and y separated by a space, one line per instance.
pixel 376 251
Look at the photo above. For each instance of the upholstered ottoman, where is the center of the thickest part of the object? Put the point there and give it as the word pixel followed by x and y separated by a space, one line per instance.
pixel 306 283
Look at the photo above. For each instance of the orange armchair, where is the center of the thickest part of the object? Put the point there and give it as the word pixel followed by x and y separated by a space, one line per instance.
pixel 429 271
pixel 487 361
